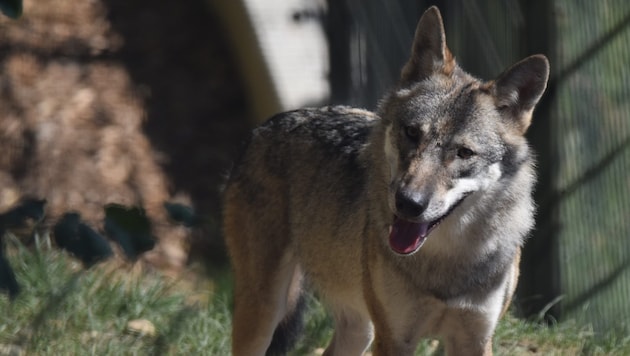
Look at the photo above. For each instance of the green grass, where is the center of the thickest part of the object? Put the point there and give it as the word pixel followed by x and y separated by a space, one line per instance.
pixel 64 309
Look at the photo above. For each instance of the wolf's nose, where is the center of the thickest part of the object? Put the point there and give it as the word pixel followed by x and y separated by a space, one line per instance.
pixel 410 205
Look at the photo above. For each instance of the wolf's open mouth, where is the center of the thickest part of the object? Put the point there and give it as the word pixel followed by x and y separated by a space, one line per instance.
pixel 406 237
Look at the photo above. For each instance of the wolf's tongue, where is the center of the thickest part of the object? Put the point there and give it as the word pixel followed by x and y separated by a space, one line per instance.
pixel 405 237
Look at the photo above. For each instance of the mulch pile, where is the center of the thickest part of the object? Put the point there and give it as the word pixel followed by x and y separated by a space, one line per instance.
pixel 127 102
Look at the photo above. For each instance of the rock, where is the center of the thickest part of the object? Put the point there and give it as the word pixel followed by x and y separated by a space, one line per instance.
pixel 11 350
pixel 141 327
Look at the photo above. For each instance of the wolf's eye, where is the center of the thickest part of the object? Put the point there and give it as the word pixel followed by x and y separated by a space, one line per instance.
pixel 465 153
pixel 412 133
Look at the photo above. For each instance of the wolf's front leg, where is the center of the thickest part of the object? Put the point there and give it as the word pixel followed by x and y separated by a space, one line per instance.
pixel 466 331
pixel 399 322
pixel 353 333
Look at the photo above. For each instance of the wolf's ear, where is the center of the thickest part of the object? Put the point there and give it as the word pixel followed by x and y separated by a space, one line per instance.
pixel 518 89
pixel 429 54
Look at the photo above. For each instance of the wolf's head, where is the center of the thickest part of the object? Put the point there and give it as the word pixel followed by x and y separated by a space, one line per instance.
pixel 449 136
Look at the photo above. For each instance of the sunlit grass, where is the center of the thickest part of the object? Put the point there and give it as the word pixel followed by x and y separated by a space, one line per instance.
pixel 64 309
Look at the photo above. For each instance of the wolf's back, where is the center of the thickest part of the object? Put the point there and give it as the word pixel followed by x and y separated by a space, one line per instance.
pixel 304 149
pixel 301 174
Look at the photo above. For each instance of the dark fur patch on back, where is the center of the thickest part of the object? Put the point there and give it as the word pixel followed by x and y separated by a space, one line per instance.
pixel 339 133
pixel 342 139
pixel 333 137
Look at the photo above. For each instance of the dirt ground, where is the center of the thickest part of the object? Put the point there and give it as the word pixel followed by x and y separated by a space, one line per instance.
pixel 116 101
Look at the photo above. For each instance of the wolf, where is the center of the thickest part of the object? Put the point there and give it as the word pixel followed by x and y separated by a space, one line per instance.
pixel 407 222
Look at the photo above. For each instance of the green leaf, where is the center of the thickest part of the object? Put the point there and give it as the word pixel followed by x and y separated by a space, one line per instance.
pixel 8 282
pixel 28 209
pixel 130 228
pixel 182 214
pixel 11 8
pixel 82 241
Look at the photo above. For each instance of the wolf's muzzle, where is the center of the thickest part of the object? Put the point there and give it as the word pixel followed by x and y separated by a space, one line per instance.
pixel 410 205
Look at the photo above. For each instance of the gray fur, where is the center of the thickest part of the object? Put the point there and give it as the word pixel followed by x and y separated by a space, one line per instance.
pixel 317 193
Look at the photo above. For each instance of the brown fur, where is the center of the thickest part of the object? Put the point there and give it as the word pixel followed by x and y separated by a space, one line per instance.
pixel 408 223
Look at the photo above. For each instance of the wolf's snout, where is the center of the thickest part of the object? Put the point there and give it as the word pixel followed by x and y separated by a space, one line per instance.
pixel 409 205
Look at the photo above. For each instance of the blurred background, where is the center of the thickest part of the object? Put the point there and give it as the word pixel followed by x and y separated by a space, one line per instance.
pixel 141 102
